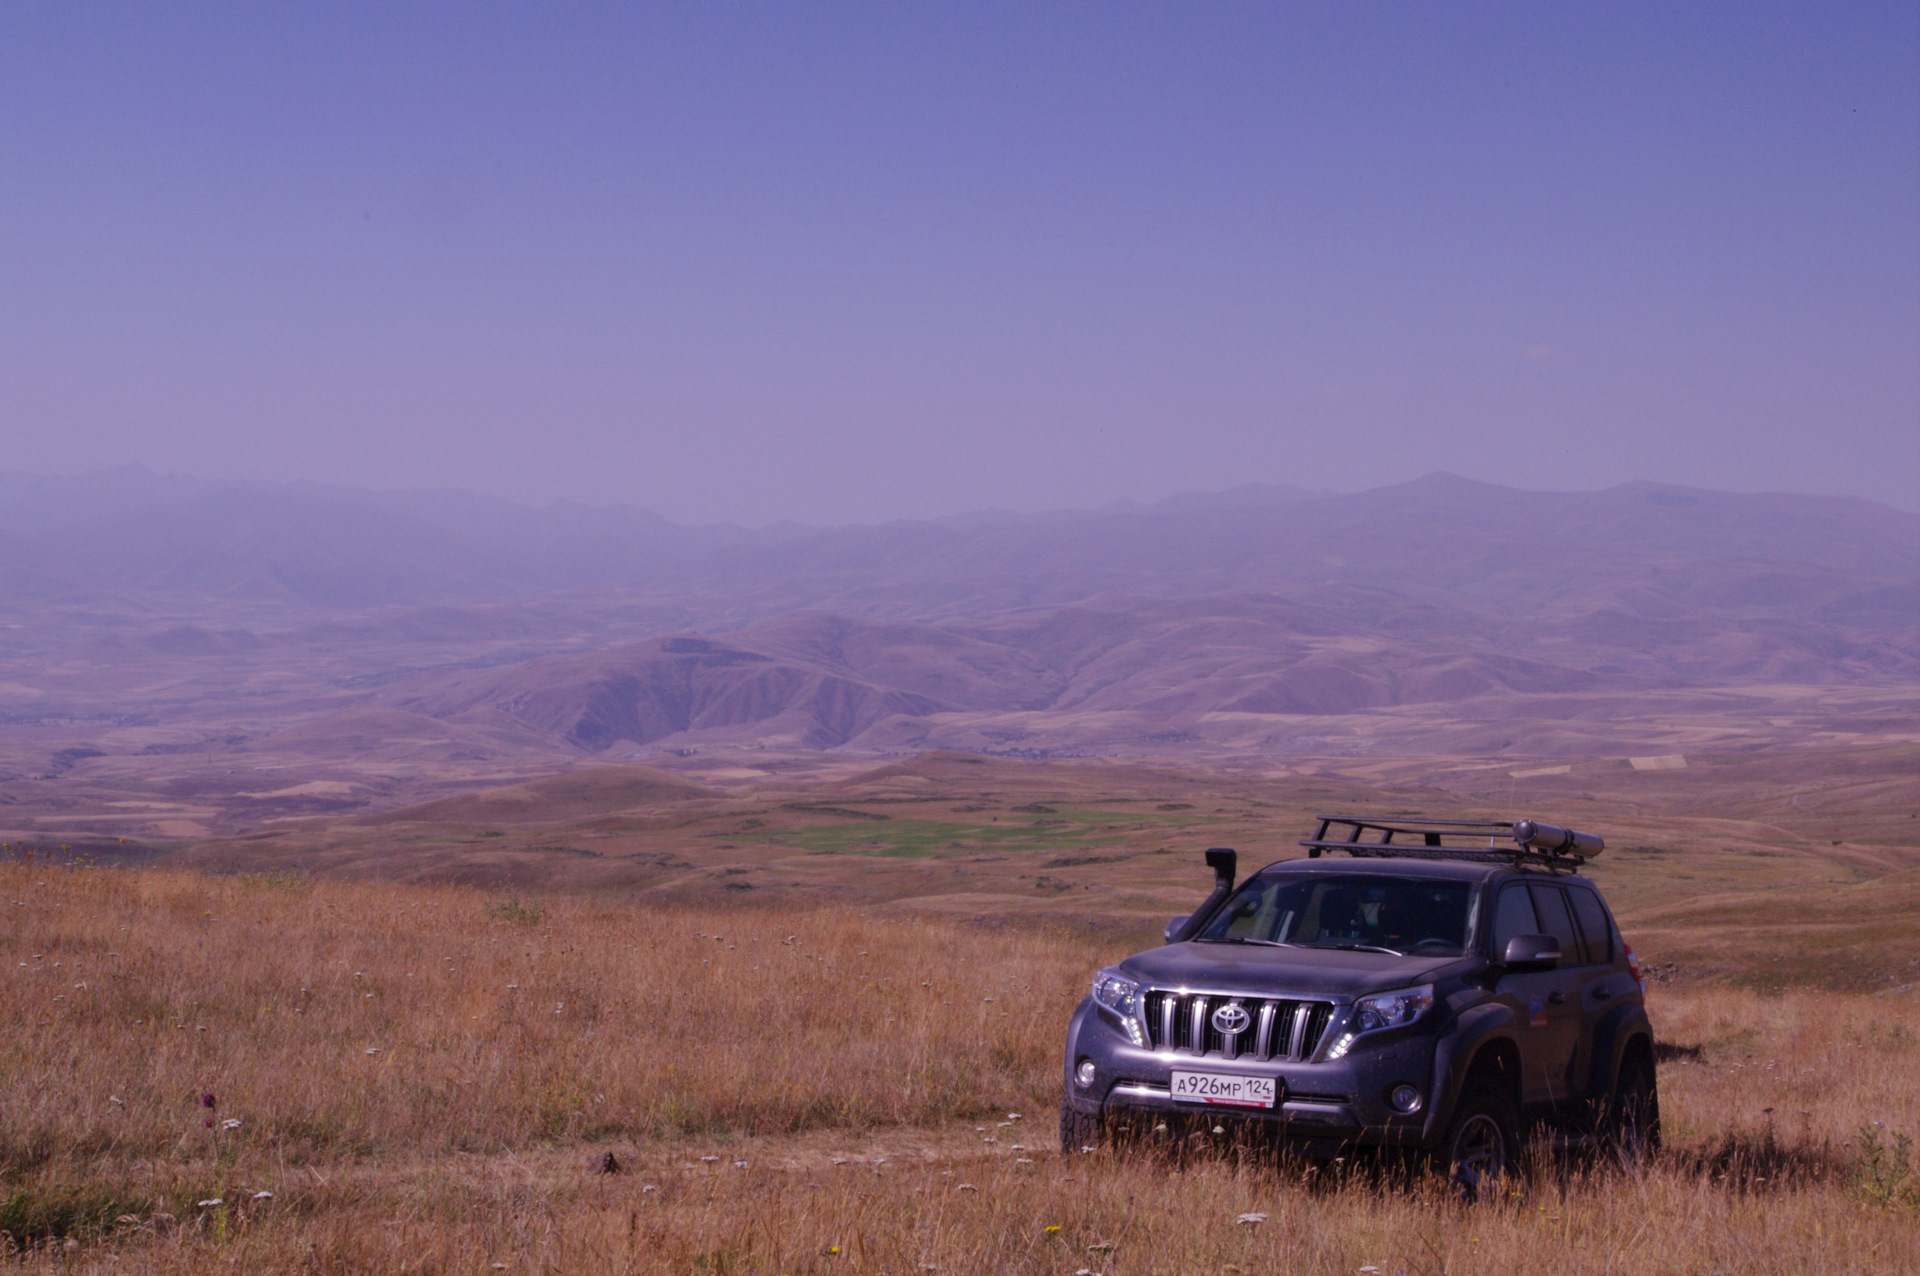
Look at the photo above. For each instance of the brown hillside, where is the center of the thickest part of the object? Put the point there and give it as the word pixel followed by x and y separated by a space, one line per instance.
pixel 648 691
pixel 589 791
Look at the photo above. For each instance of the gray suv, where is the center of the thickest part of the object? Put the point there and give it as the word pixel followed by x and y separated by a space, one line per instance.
pixel 1437 987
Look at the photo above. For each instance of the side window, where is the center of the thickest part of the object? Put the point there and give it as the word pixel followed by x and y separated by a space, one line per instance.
pixel 1592 916
pixel 1513 916
pixel 1551 903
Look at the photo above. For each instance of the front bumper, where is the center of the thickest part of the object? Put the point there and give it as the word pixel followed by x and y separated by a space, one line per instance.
pixel 1343 1100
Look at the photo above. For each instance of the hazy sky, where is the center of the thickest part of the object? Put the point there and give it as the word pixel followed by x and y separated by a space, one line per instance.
pixel 837 262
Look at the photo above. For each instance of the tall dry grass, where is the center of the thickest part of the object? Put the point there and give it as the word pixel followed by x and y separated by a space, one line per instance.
pixel 367 1019
pixel 1120 1216
pixel 469 1138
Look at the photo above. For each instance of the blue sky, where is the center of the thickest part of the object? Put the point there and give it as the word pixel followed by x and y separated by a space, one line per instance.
pixel 851 262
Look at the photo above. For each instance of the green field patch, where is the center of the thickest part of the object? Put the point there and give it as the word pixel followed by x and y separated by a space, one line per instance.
pixel 1158 819
pixel 814 808
pixel 1056 829
pixel 921 838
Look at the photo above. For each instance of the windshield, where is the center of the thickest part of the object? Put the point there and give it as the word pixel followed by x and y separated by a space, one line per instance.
pixel 1402 915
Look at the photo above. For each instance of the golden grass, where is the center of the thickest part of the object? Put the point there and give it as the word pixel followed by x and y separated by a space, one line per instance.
pixel 371 1020
pixel 469 1138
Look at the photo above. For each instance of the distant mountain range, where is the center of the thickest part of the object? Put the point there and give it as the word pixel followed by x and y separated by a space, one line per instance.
pixel 1261 602
pixel 128 530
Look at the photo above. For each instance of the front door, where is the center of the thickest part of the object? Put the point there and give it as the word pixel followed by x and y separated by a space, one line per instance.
pixel 1566 994
pixel 1546 1003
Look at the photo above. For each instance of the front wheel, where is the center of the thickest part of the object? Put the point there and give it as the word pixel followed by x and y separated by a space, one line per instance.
pixel 1483 1143
pixel 1079 1131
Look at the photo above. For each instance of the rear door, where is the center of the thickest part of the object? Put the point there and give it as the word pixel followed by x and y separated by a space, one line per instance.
pixel 1603 979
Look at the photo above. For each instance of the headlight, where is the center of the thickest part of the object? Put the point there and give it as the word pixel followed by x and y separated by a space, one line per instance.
pixel 1391 1009
pixel 1383 1010
pixel 1117 993
pixel 1119 996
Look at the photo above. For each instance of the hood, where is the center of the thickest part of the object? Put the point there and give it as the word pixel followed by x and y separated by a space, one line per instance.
pixel 1254 970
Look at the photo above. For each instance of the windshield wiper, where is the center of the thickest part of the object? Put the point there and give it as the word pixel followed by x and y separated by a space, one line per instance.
pixel 1363 948
pixel 1242 939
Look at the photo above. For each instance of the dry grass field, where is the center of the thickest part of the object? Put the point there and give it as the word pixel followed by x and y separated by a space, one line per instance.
pixel 262 1072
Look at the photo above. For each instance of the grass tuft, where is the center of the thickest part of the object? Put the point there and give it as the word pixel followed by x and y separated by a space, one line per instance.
pixel 513 911
pixel 1883 1169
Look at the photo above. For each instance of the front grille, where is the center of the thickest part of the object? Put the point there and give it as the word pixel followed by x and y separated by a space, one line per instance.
pixel 1277 1027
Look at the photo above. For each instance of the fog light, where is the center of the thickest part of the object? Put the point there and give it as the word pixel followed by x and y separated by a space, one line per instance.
pixel 1083 1073
pixel 1405 1099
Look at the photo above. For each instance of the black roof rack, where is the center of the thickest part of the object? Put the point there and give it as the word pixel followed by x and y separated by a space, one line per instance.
pixel 1487 841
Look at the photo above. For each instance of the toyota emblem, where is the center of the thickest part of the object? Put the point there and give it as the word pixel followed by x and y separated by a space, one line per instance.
pixel 1231 1018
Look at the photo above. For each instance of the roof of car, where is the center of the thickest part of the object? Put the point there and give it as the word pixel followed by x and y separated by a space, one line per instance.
pixel 1441 870
pixel 1446 870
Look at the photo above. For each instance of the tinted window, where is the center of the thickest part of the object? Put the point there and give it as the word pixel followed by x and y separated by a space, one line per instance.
pixel 1592 917
pixel 1406 915
pixel 1514 916
pixel 1551 903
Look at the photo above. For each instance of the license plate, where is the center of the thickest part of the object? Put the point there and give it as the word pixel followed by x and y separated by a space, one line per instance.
pixel 1224 1089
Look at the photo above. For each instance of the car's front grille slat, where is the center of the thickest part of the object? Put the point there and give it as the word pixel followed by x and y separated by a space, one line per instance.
pixel 1299 1028
pixel 1263 1042
pixel 1281 1028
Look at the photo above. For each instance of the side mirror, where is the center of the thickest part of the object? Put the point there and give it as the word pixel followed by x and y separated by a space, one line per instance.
pixel 1531 952
pixel 1173 927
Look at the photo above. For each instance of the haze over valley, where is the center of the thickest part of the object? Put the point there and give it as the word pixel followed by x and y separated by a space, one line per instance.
pixel 170 644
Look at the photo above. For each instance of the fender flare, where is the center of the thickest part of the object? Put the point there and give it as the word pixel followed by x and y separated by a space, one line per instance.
pixel 1080 1013
pixel 1610 1037
pixel 1455 1053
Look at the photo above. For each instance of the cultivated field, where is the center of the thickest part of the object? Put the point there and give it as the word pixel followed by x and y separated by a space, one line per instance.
pixel 264 1073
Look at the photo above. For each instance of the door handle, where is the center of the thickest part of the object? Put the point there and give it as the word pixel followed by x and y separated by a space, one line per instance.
pixel 1556 998
pixel 1601 994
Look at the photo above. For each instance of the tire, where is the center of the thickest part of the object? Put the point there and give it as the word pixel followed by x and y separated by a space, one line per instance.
pixel 1482 1144
pixel 1079 1131
pixel 1632 1127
